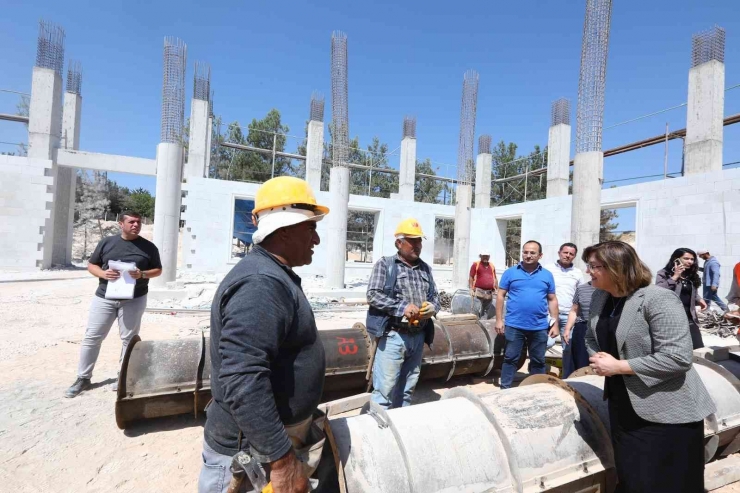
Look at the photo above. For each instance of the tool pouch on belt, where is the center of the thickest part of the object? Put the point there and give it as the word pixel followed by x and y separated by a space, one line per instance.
pixel 483 294
pixel 308 438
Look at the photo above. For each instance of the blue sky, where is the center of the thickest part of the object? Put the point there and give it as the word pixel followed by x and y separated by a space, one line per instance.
pixel 404 58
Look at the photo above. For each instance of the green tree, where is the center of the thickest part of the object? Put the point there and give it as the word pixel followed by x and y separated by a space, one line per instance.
pixel 141 201
pixel 507 164
pixel 427 189
pixel 117 196
pixel 607 226
pixel 232 164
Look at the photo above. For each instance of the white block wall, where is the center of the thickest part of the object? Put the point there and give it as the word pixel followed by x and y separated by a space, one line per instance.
pixel 695 211
pixel 209 217
pixel 25 208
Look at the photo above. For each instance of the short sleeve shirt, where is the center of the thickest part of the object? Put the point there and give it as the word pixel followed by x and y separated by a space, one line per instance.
pixel 483 275
pixel 582 298
pixel 566 282
pixel 140 251
pixel 526 307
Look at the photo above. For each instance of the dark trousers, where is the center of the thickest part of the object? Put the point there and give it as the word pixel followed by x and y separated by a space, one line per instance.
pixel 578 351
pixel 515 338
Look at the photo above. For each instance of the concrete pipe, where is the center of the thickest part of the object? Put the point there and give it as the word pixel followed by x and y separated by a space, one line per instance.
pixel 540 436
pixel 166 378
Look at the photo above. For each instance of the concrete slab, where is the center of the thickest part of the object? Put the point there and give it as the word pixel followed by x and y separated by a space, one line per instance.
pixel 722 472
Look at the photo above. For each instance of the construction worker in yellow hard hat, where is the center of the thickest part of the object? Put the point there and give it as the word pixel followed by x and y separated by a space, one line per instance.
pixel 267 361
pixel 403 298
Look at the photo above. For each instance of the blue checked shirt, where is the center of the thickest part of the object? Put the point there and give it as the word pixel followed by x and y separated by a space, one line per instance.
pixel 412 286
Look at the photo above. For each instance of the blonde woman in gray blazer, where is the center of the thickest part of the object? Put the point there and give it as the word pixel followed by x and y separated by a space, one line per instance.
pixel 638 338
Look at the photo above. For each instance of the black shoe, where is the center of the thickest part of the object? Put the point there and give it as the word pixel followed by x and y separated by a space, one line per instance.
pixel 77 387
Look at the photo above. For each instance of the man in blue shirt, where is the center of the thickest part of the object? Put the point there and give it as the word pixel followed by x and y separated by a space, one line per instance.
pixel 531 291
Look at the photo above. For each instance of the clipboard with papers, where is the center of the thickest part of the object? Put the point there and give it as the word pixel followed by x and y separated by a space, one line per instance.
pixel 123 287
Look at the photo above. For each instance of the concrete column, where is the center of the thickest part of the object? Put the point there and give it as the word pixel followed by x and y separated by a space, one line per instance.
pixel 209 132
pixel 461 245
pixel 167 209
pixel 314 154
pixel 483 165
pixel 66 183
pixel 198 143
pixel 586 211
pixel 336 249
pixel 558 160
pixel 44 129
pixel 407 175
pixel 704 118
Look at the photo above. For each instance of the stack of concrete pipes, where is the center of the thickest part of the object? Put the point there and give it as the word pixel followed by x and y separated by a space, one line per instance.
pixel 171 377
pixel 545 435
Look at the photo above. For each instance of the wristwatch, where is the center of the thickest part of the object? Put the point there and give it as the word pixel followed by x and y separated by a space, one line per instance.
pixel 143 274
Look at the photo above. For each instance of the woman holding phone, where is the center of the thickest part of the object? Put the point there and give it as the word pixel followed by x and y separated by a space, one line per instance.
pixel 681 275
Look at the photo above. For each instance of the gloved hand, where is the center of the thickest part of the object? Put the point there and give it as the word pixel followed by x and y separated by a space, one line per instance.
pixel 427 311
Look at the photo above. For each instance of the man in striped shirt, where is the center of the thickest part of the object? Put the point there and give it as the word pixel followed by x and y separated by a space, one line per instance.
pixel 402 298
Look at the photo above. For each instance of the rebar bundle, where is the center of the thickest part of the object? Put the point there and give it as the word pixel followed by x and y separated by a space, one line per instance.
pixel 339 96
pixel 74 77
pixel 50 47
pixel 560 112
pixel 202 81
pixel 484 144
pixel 173 90
pixel 708 45
pixel 317 107
pixel 592 80
pixel 409 127
pixel 465 163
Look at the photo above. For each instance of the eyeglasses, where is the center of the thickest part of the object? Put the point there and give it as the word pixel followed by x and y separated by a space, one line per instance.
pixel 593 267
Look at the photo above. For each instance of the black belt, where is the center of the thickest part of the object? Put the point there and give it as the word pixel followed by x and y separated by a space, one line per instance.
pixel 408 330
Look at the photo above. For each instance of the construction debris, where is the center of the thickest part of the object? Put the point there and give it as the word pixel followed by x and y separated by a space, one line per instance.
pixel 720 324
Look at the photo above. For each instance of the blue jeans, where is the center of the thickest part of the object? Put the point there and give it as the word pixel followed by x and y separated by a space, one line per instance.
pixel 537 344
pixel 396 368
pixel 710 296
pixel 567 358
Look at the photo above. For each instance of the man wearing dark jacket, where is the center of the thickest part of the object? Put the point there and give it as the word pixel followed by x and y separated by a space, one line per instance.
pixel 267 361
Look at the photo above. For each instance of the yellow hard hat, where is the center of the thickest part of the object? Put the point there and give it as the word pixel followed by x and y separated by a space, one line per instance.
pixel 409 228
pixel 284 192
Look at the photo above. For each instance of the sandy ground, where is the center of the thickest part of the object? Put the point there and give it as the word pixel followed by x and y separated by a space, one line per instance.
pixel 53 444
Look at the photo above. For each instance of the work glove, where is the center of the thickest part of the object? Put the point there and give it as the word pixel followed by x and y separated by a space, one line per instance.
pixel 427 311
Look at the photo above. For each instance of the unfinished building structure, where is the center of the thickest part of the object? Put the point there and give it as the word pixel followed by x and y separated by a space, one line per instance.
pixel 36 192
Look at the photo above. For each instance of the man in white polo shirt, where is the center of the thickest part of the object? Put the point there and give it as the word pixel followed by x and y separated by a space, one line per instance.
pixel 567 278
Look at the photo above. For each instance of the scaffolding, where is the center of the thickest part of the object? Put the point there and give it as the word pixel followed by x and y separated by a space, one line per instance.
pixel 316 113
pixel 708 45
pixel 50 47
pixel 202 81
pixel 74 77
pixel 560 113
pixel 409 127
pixel 173 90
pixel 592 80
pixel 465 163
pixel 339 96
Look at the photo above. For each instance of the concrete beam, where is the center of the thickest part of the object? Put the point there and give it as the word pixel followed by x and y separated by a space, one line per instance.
pixel 407 175
pixel 461 244
pixel 107 162
pixel 167 210
pixel 483 165
pixel 314 154
pixel 586 213
pixel 198 140
pixel 558 160
pixel 336 250
pixel 704 125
